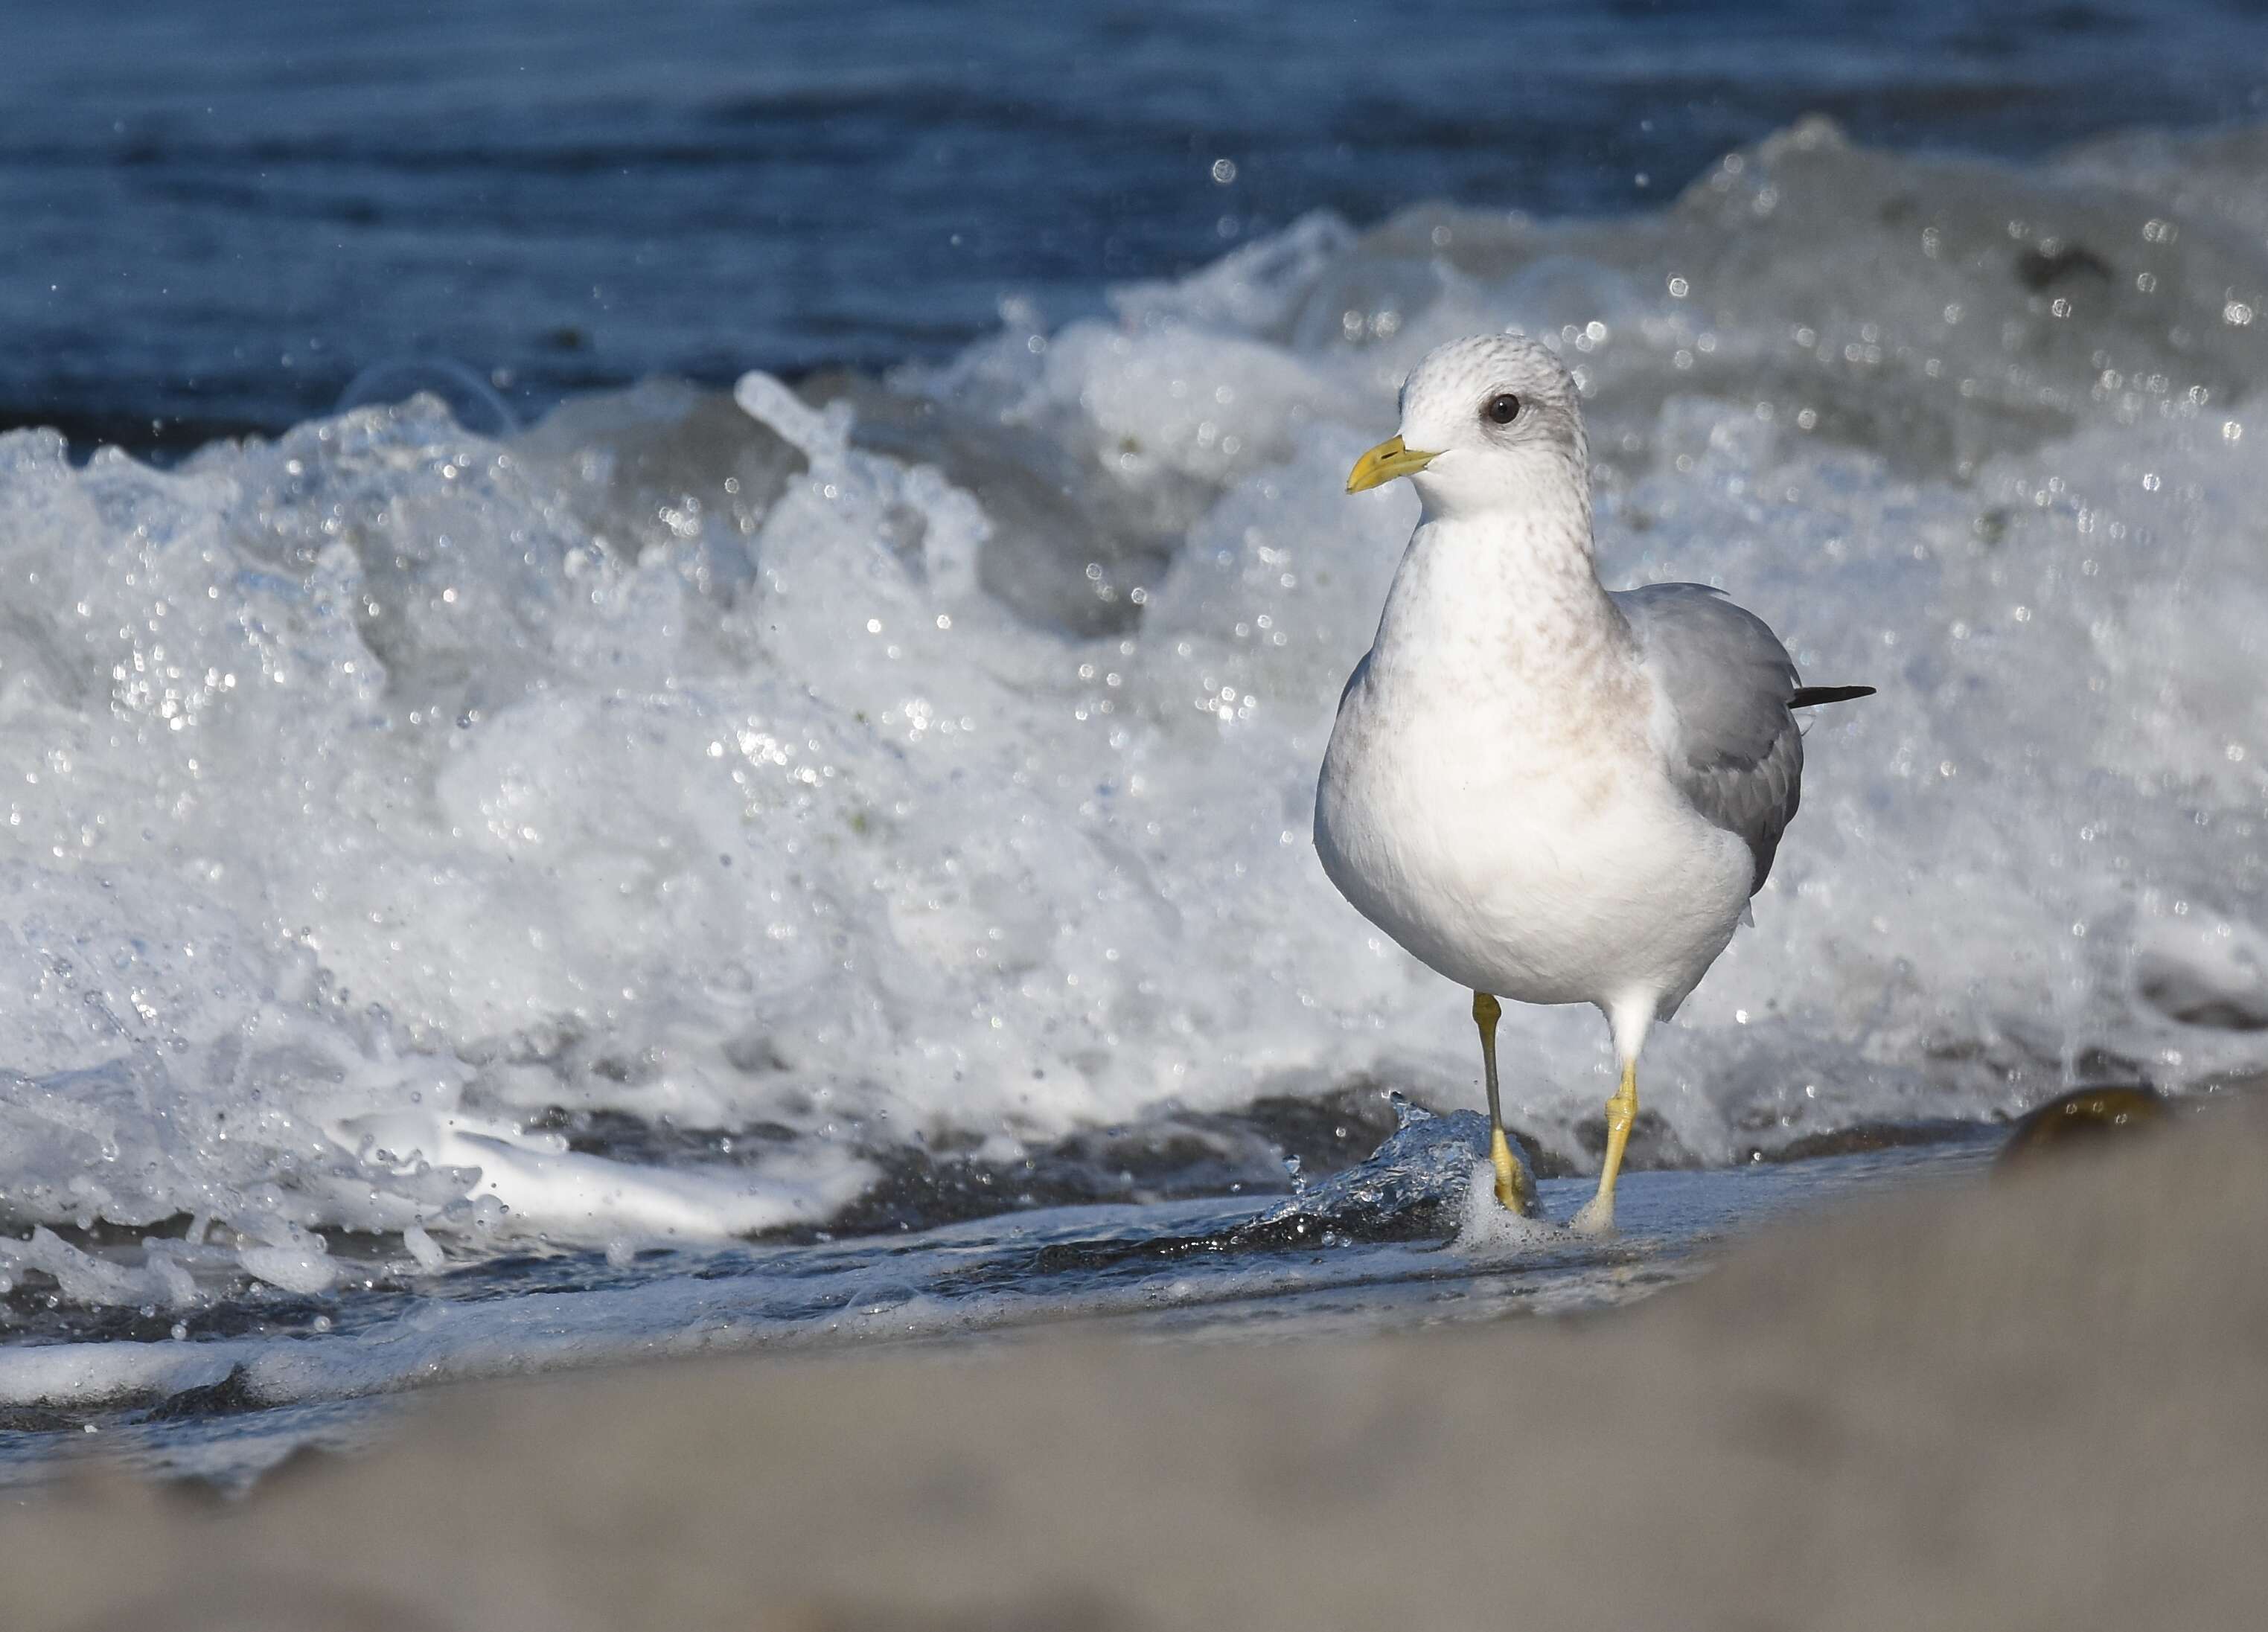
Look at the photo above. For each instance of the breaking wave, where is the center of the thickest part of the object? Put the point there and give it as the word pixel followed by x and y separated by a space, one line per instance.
pixel 666 821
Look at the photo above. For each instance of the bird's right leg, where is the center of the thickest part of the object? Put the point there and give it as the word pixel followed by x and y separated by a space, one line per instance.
pixel 1513 1188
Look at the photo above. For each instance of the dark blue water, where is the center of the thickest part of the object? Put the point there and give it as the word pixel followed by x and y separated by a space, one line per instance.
pixel 219 212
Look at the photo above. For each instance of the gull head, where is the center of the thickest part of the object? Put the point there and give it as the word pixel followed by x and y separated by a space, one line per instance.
pixel 1487 423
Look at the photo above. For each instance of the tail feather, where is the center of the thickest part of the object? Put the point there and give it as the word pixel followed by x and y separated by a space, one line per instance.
pixel 1812 696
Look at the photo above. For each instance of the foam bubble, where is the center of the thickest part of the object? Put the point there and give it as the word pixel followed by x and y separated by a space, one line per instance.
pixel 1485 1226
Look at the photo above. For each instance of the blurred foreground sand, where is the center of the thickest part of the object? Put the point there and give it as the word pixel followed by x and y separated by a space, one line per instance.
pixel 2040 1402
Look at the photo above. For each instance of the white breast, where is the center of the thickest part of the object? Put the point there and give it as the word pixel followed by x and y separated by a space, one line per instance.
pixel 1536 854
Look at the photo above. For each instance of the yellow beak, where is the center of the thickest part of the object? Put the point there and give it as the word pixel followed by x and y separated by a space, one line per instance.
pixel 1384 463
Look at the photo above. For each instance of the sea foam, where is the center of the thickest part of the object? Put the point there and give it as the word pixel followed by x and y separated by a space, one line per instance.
pixel 640 828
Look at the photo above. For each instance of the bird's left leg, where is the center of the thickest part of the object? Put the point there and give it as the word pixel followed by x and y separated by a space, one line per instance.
pixel 1597 1216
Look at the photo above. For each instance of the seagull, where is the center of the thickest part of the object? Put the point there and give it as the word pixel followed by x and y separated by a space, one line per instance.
pixel 1544 789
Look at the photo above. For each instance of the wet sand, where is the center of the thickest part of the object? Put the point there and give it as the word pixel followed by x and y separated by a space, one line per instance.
pixel 2037 1402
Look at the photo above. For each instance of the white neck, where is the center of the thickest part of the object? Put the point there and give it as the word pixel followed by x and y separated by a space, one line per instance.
pixel 1513 590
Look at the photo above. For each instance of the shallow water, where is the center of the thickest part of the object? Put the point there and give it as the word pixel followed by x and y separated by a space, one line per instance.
pixel 1394 1243
pixel 641 859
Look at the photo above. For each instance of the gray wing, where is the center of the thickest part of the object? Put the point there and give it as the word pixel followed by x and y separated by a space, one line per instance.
pixel 1738 756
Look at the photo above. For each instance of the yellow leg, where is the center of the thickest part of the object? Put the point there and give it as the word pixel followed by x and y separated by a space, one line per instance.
pixel 1597 1216
pixel 1512 1184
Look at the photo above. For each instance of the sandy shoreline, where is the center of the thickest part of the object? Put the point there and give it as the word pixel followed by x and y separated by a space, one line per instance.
pixel 2037 1402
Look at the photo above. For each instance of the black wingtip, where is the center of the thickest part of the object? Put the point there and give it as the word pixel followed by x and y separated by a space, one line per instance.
pixel 1812 696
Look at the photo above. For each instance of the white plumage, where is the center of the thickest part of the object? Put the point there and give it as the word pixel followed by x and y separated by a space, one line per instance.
pixel 1543 791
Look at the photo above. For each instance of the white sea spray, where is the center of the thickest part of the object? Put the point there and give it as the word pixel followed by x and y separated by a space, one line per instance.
pixel 934 764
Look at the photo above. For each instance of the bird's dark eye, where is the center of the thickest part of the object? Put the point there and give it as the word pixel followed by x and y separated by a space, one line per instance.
pixel 1503 408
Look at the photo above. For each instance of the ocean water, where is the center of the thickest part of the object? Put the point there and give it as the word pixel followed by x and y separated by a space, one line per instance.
pixel 221 213
pixel 824 857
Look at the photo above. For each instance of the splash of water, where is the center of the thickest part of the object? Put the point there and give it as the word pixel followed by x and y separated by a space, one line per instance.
pixel 639 826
